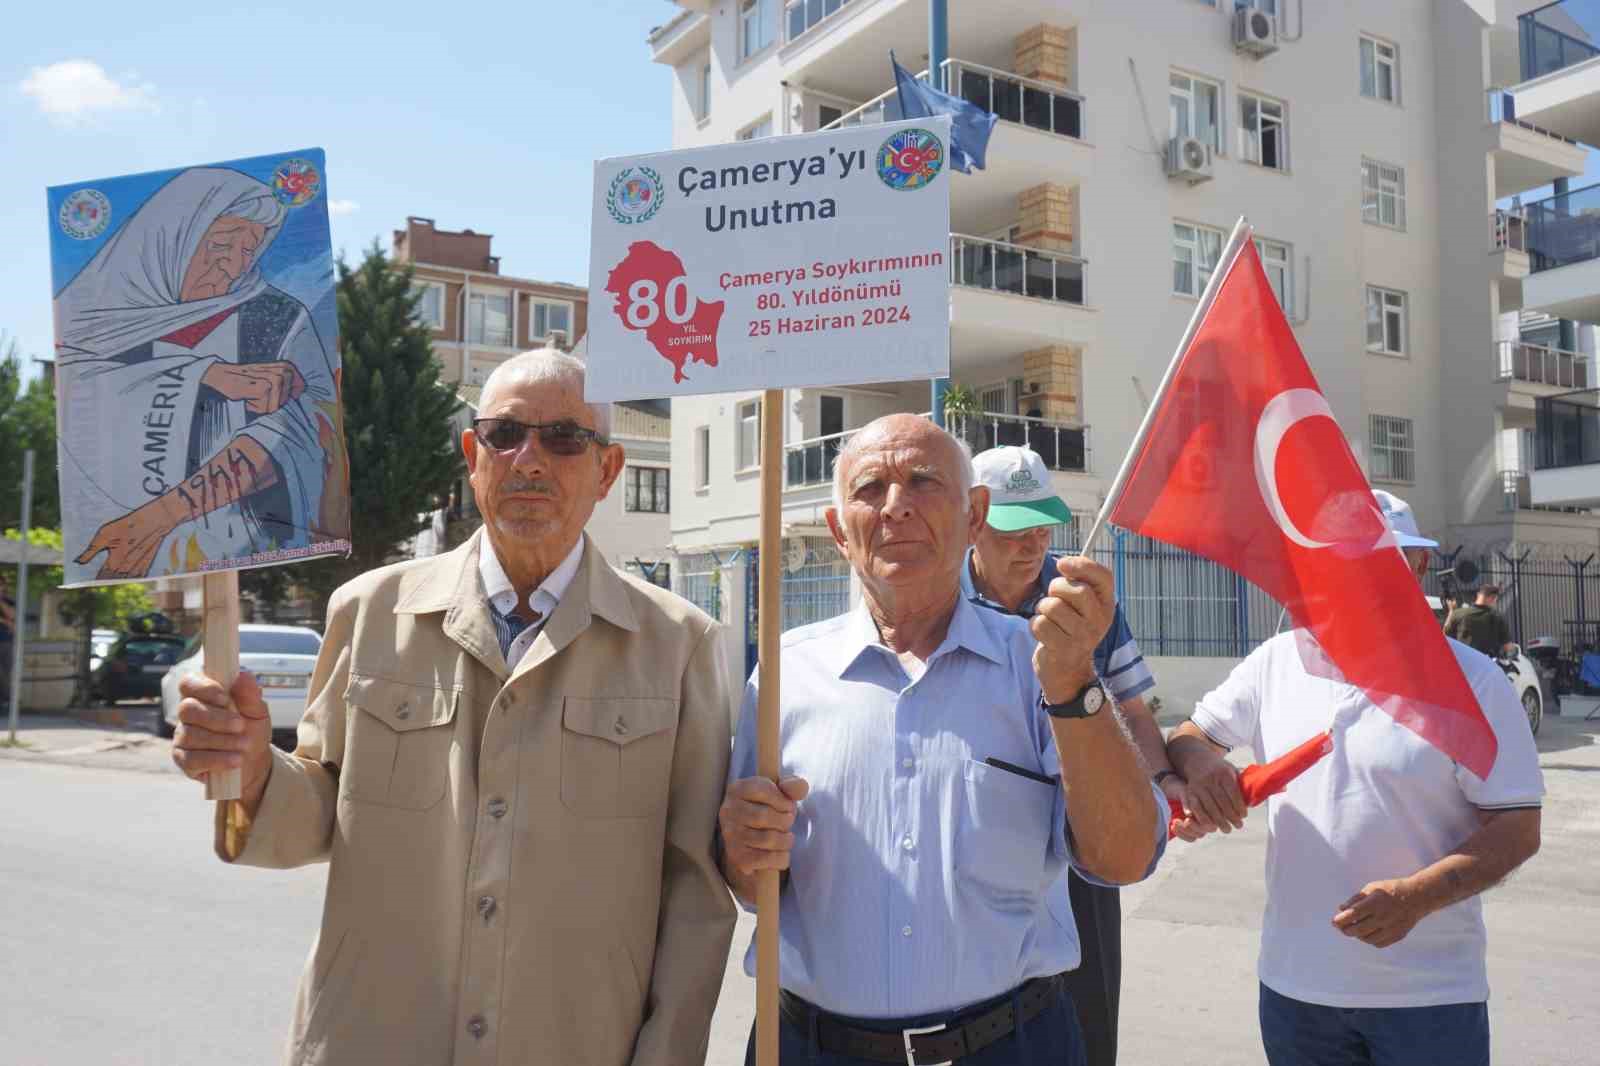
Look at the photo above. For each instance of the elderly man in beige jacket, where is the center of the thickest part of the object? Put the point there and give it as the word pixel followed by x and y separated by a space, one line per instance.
pixel 512 760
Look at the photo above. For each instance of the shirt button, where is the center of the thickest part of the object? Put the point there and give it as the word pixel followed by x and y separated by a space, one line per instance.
pixel 486 907
pixel 620 728
pixel 905 930
pixel 403 711
pixel 906 843
pixel 497 808
pixel 477 1027
pixel 907 763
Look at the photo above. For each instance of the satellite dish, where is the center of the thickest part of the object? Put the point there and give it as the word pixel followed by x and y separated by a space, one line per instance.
pixel 1466 571
pixel 795 553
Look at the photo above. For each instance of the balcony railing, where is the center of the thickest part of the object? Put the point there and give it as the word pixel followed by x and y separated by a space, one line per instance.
pixel 1508 230
pixel 1564 229
pixel 1502 107
pixel 1029 102
pixel 811 462
pixel 1567 430
pixel 1004 267
pixel 800 16
pixel 1062 445
pixel 1514 491
pixel 1539 365
pixel 1545 48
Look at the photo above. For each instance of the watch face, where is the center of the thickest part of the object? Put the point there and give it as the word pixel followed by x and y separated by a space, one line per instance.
pixel 1094 697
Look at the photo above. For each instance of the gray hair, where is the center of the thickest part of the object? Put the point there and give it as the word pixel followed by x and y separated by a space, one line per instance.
pixel 965 475
pixel 542 365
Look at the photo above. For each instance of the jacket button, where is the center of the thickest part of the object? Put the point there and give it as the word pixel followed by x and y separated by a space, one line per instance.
pixel 477 1027
pixel 403 711
pixel 620 728
pixel 486 907
pixel 497 808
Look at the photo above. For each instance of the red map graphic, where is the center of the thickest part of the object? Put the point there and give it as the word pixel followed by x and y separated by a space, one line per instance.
pixel 650 308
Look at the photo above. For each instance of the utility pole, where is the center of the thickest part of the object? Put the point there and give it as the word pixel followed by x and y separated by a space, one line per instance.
pixel 22 594
pixel 938 52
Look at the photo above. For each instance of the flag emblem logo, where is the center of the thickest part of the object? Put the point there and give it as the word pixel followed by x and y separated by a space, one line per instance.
pixel 910 159
pixel 296 182
pixel 635 196
pixel 85 214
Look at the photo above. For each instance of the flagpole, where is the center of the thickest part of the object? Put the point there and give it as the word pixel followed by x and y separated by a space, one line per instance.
pixel 1242 232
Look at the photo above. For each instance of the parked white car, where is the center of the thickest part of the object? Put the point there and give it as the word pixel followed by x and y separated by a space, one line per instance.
pixel 281 658
pixel 1519 671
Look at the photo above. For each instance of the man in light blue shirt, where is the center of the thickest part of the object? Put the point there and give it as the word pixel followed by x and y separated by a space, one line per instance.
pixel 943 765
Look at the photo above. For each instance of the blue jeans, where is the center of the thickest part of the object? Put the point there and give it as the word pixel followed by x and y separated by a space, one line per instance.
pixel 1051 1038
pixel 1308 1034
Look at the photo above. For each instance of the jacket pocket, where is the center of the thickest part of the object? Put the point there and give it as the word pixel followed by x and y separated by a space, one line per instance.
pixel 616 755
pixel 1003 838
pixel 398 749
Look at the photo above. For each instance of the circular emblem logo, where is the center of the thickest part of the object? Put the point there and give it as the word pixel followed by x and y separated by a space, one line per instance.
pixel 910 159
pixel 296 182
pixel 85 214
pixel 635 195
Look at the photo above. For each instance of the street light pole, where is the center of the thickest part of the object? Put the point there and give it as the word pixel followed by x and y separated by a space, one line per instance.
pixel 22 594
pixel 938 51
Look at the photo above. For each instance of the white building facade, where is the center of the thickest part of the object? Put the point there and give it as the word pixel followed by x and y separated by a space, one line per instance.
pixel 1369 142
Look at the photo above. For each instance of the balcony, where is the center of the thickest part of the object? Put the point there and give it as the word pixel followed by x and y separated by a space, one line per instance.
pixel 1526 155
pixel 1002 267
pixel 1063 446
pixel 810 462
pixel 1567 450
pixel 1508 254
pixel 1563 243
pixel 800 17
pixel 1010 296
pixel 1547 368
pixel 1560 63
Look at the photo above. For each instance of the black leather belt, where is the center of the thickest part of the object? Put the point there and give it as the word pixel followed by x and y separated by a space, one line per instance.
pixel 924 1045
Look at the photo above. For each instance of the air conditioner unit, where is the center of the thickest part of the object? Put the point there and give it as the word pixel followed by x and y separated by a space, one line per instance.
pixel 1189 158
pixel 1254 32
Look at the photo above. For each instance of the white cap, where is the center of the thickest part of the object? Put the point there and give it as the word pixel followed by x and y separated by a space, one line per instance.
pixel 1020 494
pixel 1402 522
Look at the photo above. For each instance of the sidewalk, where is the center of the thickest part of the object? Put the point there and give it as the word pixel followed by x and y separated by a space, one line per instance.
pixel 77 739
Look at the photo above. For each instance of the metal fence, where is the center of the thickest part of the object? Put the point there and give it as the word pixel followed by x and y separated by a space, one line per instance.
pixel 1545 591
pixel 701 582
pixel 817 589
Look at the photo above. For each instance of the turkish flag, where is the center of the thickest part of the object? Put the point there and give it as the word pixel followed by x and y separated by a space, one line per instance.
pixel 1245 465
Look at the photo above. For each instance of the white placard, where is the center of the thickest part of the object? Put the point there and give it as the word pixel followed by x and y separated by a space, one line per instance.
pixel 820 259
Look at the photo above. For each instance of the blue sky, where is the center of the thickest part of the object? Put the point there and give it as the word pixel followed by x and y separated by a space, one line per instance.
pixel 486 117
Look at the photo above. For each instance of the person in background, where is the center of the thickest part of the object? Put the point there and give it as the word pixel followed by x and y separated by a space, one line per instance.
pixel 1479 625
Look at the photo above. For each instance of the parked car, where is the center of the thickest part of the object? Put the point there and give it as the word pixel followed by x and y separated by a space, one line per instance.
pixel 1519 670
pixel 100 641
pixel 281 657
pixel 133 666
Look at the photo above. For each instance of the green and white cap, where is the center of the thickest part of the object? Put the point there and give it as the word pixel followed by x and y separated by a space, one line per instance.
pixel 1020 496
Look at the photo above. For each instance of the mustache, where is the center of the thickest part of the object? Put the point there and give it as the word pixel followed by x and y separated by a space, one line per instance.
pixel 517 483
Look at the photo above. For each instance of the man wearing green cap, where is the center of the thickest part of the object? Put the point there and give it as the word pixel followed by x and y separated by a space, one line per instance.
pixel 1009 569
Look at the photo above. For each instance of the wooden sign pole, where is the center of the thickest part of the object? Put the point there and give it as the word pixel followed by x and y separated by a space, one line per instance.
pixel 219 643
pixel 768 761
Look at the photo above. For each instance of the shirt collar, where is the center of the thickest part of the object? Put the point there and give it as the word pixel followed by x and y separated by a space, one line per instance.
pixel 503 596
pixel 969 629
pixel 1047 574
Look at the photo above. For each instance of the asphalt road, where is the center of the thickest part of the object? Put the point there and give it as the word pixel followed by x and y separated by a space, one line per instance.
pixel 125 942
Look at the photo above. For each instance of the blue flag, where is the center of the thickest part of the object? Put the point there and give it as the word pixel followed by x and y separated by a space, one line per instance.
pixel 970 125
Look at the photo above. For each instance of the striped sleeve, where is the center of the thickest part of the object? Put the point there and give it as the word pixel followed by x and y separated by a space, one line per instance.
pixel 1120 664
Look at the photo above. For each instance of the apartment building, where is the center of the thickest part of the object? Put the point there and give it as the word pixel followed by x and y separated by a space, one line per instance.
pixel 479 316
pixel 1376 145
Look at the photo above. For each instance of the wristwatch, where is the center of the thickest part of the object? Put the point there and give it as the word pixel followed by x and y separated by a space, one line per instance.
pixel 1085 704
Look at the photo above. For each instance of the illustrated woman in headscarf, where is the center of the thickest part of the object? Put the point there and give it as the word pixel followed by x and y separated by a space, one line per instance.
pixel 198 406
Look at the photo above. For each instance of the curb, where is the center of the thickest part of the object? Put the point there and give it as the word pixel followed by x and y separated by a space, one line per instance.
pixel 107 716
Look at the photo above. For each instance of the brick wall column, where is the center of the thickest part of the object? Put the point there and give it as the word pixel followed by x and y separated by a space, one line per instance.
pixel 1047 216
pixel 1047 53
pixel 1053 382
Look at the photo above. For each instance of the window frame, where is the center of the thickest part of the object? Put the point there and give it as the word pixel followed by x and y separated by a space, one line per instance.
pixel 765 19
pixel 633 483
pixel 1378 295
pixel 747 412
pixel 542 303
pixel 1218 138
pixel 702 101
pixel 702 459
pixel 1379 188
pixel 1196 263
pixel 1251 140
pixel 511 323
pixel 750 132
pixel 1393 63
pixel 1399 460
pixel 1286 264
pixel 439 287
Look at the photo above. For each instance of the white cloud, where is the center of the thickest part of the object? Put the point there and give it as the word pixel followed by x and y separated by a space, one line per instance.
pixel 74 89
pixel 342 207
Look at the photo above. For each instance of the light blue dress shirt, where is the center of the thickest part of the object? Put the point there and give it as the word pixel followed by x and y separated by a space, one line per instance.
pixel 922 880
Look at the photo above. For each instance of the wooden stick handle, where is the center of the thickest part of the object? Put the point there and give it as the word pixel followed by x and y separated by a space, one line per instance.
pixel 768 759
pixel 219 642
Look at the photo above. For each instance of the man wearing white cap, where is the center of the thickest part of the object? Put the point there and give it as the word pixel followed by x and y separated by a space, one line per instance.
pixel 1009 569
pixel 1372 947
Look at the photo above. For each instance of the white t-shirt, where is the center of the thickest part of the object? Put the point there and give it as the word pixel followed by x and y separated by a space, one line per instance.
pixel 1383 804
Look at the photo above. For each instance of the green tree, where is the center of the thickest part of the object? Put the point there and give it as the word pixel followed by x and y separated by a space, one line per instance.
pixel 27 420
pixel 403 456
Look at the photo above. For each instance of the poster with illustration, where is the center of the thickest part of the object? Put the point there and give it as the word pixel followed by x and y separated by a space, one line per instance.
pixel 197 370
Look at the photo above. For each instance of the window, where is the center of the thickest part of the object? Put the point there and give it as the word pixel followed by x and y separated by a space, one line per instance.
pixel 489 319
pixel 1386 321
pixel 1380 70
pixel 279 642
pixel 1267 7
pixel 1394 453
pixel 757 21
pixel 1383 194
pixel 549 317
pixel 646 488
pixel 1277 260
pixel 827 116
pixel 702 101
pixel 1263 132
pixel 1195 251
pixel 1195 109
pixel 759 130
pixel 749 415
pixel 658 574
pixel 430 305
pixel 702 457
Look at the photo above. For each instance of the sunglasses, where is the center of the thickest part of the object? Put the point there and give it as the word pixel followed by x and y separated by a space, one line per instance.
pixel 557 438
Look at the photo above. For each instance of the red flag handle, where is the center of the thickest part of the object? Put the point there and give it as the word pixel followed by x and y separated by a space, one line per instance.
pixel 1258 782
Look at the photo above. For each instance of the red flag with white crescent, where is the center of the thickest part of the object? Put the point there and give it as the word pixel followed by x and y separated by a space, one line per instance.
pixel 1245 465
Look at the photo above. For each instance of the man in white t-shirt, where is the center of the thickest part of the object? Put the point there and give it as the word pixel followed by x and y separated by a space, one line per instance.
pixel 1372 946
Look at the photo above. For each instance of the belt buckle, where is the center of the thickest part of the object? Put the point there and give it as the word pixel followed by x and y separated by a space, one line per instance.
pixel 911 1055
